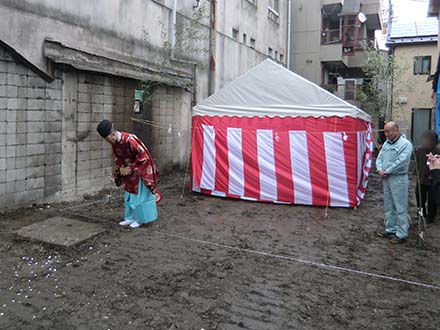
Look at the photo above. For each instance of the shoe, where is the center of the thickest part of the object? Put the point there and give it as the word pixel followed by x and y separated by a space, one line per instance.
pixel 397 240
pixel 126 222
pixel 385 234
pixel 135 225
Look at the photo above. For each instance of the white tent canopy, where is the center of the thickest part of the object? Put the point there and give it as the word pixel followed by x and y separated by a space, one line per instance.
pixel 271 90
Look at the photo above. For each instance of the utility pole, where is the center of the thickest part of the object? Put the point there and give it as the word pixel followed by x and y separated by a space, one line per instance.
pixel 389 108
pixel 212 46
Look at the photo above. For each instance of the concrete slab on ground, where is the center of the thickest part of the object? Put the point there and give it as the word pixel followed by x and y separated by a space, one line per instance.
pixel 60 231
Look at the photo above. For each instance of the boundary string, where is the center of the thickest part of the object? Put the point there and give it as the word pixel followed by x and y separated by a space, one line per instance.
pixel 271 255
pixel 303 261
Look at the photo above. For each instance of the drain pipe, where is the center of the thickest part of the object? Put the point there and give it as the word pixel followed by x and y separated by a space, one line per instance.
pixel 289 34
pixel 173 29
pixel 212 46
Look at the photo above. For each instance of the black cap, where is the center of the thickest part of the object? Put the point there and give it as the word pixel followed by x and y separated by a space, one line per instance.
pixel 105 128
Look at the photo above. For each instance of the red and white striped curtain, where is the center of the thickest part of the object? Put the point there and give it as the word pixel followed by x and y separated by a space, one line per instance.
pixel 309 161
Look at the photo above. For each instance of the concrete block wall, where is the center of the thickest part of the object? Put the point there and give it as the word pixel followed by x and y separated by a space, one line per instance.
pixel 49 148
pixel 30 134
pixel 104 97
pixel 89 98
pixel 169 139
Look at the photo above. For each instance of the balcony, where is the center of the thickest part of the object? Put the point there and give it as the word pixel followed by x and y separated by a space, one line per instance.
pixel 331 53
pixel 334 49
pixel 330 36
pixel 373 10
pixel 356 60
pixel 371 7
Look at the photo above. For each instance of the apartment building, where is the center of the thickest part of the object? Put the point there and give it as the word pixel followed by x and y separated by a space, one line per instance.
pixel 330 39
pixel 66 65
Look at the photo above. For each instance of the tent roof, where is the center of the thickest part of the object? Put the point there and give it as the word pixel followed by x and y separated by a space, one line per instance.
pixel 271 90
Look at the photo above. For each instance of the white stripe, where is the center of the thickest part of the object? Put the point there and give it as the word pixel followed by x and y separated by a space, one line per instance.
pixel 266 165
pixel 235 158
pixel 251 199
pixel 336 173
pixel 218 193
pixel 195 188
pixel 208 170
pixel 299 156
pixel 360 156
pixel 360 164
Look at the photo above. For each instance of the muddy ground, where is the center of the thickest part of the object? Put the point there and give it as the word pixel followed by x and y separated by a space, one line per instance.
pixel 149 279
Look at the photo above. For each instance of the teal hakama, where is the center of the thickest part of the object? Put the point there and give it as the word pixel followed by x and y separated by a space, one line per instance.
pixel 140 207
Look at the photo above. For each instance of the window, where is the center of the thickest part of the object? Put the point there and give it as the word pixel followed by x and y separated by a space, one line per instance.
pixel 422 65
pixel 276 55
pixel 270 52
pixel 253 42
pixel 281 58
pixel 275 6
pixel 274 11
pixel 245 38
pixel 235 33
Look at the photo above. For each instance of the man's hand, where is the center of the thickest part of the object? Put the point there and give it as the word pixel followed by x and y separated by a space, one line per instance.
pixel 125 171
pixel 382 174
pixel 434 161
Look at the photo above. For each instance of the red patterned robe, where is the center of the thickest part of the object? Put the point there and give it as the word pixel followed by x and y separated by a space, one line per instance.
pixel 130 151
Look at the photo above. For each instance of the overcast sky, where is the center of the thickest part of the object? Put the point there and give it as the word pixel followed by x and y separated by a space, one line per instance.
pixel 409 9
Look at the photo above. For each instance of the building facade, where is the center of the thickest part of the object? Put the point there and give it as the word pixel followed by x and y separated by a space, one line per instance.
pixel 330 39
pixel 64 66
pixel 414 49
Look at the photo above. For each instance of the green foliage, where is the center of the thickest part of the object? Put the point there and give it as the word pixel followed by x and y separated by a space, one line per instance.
pixel 384 83
pixel 191 38
pixel 379 70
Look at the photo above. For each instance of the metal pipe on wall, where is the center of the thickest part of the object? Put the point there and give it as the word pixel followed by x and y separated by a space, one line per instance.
pixel 212 46
pixel 173 28
pixel 289 34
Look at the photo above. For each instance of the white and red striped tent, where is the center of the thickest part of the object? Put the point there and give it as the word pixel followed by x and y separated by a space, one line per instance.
pixel 273 136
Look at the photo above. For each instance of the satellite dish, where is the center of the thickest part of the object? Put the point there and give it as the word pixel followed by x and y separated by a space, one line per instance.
pixel 362 18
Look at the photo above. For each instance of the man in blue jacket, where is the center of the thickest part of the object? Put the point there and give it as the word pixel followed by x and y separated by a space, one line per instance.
pixel 392 165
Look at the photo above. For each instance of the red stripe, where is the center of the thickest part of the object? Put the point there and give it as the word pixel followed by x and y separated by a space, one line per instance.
pixel 351 159
pixel 250 160
pixel 283 166
pixel 197 151
pixel 221 159
pixel 317 159
pixel 318 169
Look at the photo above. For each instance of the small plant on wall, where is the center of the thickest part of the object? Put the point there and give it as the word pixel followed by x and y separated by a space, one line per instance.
pixel 191 40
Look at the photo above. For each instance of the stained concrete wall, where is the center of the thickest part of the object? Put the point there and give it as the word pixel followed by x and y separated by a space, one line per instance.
pixel 116 29
pixel 306 39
